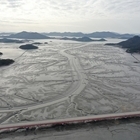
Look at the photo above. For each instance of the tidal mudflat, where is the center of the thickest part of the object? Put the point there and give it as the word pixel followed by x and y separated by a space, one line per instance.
pixel 64 79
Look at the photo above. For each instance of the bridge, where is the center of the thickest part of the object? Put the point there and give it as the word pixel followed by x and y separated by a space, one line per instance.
pixel 76 120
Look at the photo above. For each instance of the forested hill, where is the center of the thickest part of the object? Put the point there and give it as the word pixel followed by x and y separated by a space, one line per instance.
pixel 132 45
pixel 28 35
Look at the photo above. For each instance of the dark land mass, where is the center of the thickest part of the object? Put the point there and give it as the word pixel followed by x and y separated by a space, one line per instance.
pixel 35 35
pixel 28 35
pixel 6 40
pixel 92 35
pixel 83 39
pixel 132 45
pixel 6 62
pixel 5 33
pixel 28 47
pixel 1 53
pixel 37 43
pixel 45 42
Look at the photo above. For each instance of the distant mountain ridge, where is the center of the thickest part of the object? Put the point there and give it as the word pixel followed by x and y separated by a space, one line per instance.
pixel 28 35
pixel 92 35
pixel 82 39
pixel 35 35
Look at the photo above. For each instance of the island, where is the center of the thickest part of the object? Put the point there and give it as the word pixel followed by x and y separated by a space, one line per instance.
pixel 6 62
pixel 28 47
pixel 37 43
pixel 28 35
pixel 6 40
pixel 82 39
pixel 132 45
pixel 1 53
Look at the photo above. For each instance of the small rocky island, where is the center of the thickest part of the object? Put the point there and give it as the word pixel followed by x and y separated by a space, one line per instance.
pixel 37 43
pixel 6 62
pixel 28 47
pixel 132 45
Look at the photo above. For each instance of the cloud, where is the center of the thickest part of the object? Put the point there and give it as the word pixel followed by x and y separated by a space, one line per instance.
pixel 14 3
pixel 72 8
pixel 122 7
pixel 48 12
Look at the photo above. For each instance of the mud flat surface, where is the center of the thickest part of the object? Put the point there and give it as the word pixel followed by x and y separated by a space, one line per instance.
pixel 113 80
pixel 64 79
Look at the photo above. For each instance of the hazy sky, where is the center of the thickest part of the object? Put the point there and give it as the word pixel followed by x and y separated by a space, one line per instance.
pixel 70 15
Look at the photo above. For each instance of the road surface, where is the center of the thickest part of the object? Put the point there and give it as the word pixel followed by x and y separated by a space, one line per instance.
pixel 69 120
